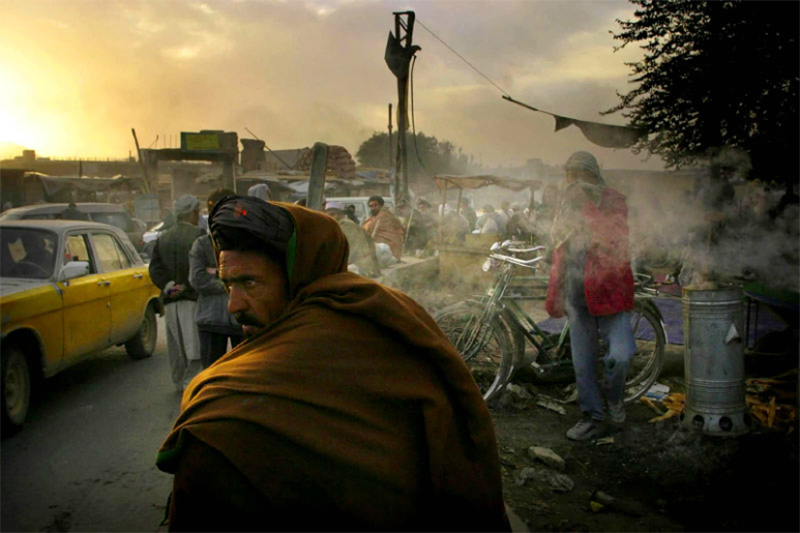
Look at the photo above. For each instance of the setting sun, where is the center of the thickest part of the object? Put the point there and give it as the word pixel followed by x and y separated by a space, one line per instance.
pixel 17 122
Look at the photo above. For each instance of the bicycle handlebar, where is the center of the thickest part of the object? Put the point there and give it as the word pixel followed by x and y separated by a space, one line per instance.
pixel 507 246
pixel 515 261
pixel 524 250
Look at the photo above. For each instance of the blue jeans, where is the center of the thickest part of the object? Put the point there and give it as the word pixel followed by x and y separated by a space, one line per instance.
pixel 618 335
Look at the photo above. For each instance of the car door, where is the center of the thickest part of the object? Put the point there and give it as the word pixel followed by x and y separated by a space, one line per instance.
pixel 87 302
pixel 129 285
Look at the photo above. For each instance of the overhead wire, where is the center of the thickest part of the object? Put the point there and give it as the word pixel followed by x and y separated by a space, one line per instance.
pixel 612 136
pixel 473 67
pixel 414 60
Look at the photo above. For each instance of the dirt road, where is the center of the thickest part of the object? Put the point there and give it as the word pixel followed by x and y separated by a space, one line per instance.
pixel 85 460
pixel 645 476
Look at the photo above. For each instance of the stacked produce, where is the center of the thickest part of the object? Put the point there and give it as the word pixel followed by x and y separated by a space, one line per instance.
pixel 340 162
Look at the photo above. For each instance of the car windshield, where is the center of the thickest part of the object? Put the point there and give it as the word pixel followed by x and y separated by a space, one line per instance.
pixel 27 253
pixel 121 220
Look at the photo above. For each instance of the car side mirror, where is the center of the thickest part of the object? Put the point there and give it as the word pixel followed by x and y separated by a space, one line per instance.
pixel 74 269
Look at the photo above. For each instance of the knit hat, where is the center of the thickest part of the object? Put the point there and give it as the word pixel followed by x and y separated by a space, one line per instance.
pixel 185 205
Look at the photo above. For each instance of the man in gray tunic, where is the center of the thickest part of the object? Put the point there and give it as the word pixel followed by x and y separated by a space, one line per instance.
pixel 214 323
pixel 169 270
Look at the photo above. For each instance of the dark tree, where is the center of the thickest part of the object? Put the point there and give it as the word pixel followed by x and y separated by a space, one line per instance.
pixel 435 157
pixel 716 76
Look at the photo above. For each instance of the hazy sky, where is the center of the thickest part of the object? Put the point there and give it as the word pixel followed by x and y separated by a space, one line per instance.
pixel 75 76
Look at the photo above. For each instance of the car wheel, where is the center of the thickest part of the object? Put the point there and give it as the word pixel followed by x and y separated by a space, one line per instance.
pixel 143 344
pixel 16 384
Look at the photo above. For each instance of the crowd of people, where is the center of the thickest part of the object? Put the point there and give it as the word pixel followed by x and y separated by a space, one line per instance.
pixel 297 425
pixel 417 228
pixel 340 403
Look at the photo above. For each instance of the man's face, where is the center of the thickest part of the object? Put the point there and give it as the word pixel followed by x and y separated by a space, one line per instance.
pixel 257 288
pixel 579 174
pixel 374 207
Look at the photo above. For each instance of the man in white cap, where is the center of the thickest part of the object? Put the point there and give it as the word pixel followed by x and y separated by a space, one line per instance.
pixel 260 191
pixel 169 270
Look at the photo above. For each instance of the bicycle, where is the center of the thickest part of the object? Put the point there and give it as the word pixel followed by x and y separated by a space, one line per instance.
pixel 492 332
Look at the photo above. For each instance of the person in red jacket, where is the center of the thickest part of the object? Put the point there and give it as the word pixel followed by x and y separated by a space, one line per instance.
pixel 592 283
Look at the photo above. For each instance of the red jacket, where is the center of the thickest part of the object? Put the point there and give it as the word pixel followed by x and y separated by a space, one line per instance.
pixel 609 279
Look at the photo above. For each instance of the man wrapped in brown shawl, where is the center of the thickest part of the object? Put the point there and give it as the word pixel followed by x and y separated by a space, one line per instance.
pixel 350 410
pixel 384 227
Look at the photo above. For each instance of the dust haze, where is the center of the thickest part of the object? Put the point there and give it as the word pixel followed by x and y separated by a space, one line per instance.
pixel 77 77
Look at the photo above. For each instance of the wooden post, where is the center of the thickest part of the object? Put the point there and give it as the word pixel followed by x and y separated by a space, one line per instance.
pixel 228 173
pixel 441 216
pixel 391 159
pixel 316 184
pixel 147 185
pixel 401 192
pixel 408 228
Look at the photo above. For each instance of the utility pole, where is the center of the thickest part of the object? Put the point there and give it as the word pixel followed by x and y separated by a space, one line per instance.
pixel 399 51
pixel 391 161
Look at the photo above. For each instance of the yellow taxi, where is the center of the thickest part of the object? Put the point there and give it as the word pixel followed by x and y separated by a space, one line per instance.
pixel 67 289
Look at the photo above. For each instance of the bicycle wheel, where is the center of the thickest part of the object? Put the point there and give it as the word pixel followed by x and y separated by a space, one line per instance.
pixel 482 342
pixel 649 356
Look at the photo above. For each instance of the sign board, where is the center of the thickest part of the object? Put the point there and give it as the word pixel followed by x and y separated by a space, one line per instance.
pixel 199 141
pixel 210 141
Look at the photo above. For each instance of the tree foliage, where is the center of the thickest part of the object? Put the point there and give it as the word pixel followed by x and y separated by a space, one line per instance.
pixel 435 156
pixel 716 76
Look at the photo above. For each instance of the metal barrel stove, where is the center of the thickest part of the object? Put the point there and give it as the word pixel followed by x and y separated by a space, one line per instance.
pixel 713 329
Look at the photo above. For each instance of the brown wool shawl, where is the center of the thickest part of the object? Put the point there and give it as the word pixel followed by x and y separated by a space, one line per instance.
pixel 352 403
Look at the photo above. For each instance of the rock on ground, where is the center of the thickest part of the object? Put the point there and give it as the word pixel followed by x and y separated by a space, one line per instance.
pixel 548 457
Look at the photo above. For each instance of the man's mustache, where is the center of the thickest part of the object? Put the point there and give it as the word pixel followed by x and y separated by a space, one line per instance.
pixel 245 319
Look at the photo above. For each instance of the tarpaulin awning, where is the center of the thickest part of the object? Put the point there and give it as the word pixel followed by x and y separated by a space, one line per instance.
pixel 275 184
pixel 53 184
pixel 302 186
pixel 476 182
pixel 380 176
pixel 605 135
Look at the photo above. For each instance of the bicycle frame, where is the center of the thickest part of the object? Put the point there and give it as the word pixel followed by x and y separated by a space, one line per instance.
pixel 497 301
pixel 491 306
pixel 543 342
pixel 551 351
